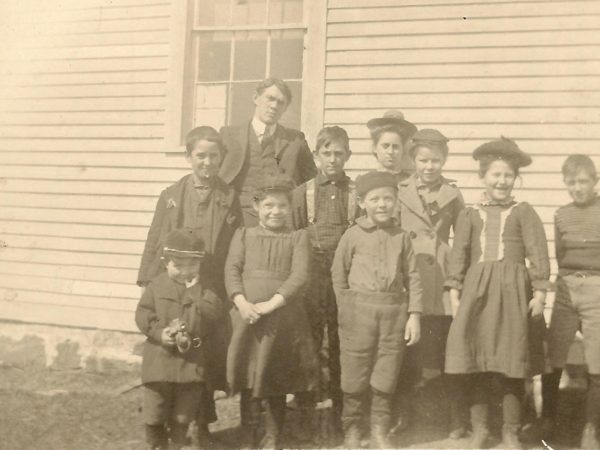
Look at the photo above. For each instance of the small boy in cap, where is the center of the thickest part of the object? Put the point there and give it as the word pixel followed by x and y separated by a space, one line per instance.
pixel 176 313
pixel 205 203
pixel 325 206
pixel 378 293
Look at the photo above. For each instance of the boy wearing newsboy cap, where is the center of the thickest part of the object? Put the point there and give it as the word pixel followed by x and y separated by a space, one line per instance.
pixel 378 293
pixel 177 314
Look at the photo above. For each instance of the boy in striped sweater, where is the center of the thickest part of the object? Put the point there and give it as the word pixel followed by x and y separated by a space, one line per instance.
pixel 577 302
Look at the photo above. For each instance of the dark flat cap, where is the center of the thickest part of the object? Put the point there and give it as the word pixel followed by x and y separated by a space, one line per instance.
pixel 430 138
pixel 373 180
pixel 503 148
pixel 394 118
pixel 279 182
pixel 183 243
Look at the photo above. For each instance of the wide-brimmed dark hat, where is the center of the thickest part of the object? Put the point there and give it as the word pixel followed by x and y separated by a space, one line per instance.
pixel 503 148
pixel 373 180
pixel 430 138
pixel 393 118
pixel 183 243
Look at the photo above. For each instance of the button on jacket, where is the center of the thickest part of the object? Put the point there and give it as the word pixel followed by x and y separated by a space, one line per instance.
pixel 428 223
pixel 372 258
pixel 165 300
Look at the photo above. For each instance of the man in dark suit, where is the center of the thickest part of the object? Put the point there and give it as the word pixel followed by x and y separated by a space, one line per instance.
pixel 263 146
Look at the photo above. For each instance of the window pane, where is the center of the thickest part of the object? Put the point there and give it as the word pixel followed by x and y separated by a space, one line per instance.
pixel 249 12
pixel 250 55
pixel 286 53
pixel 285 11
pixel 211 101
pixel 213 56
pixel 242 106
pixel 291 118
pixel 213 12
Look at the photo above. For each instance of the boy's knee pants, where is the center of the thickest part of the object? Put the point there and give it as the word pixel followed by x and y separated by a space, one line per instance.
pixel 172 402
pixel 577 306
pixel 371 339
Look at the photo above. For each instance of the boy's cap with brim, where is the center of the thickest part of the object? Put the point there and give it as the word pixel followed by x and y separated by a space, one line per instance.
pixel 430 138
pixel 183 243
pixel 395 118
pixel 279 182
pixel 373 180
pixel 503 148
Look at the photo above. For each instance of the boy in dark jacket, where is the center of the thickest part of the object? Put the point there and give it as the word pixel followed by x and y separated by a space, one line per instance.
pixel 205 203
pixel 177 314
pixel 378 293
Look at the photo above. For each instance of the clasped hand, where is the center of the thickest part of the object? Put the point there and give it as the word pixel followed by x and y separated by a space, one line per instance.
pixel 252 312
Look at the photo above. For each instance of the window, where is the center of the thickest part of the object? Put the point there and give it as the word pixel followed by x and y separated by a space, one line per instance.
pixel 234 45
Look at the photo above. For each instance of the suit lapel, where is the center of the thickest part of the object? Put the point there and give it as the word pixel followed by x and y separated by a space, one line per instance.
pixel 219 208
pixel 409 196
pixel 282 140
pixel 175 200
pixel 236 152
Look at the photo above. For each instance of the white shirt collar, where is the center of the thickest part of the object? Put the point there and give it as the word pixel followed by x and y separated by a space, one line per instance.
pixel 261 128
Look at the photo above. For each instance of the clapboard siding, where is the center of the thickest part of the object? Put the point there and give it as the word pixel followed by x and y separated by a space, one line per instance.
pixel 475 70
pixel 82 126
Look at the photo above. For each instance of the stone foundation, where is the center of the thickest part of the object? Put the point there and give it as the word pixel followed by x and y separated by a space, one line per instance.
pixel 65 348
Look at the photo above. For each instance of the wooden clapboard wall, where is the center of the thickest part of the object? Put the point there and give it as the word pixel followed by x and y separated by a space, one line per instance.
pixel 526 69
pixel 82 121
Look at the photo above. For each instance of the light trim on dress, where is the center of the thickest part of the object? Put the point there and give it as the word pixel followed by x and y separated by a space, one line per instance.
pixel 504 213
pixel 184 253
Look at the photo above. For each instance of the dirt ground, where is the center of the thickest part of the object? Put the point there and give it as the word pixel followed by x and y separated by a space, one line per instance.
pixel 78 410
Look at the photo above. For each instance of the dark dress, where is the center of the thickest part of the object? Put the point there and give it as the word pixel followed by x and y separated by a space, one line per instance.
pixel 275 355
pixel 493 330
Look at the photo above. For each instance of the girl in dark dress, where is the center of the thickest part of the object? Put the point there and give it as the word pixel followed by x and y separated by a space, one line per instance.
pixel 271 352
pixel 496 336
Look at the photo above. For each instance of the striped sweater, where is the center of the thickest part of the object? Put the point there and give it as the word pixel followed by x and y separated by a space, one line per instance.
pixel 577 237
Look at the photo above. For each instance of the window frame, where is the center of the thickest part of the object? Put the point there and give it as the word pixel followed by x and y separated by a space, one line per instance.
pixel 182 49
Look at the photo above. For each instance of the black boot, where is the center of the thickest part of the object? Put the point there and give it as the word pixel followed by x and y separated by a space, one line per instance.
pixel 178 434
pixel 200 436
pixel 274 419
pixel 156 437
pixel 304 430
pixel 352 436
pixel 379 434
pixel 381 411
pixel 455 387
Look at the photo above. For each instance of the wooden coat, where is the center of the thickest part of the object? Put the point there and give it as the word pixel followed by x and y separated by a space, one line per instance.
pixel 429 240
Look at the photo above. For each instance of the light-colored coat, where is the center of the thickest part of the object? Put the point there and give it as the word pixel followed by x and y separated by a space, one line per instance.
pixel 429 240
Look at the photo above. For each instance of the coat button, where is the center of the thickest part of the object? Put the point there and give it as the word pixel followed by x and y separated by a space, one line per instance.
pixel 413 235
